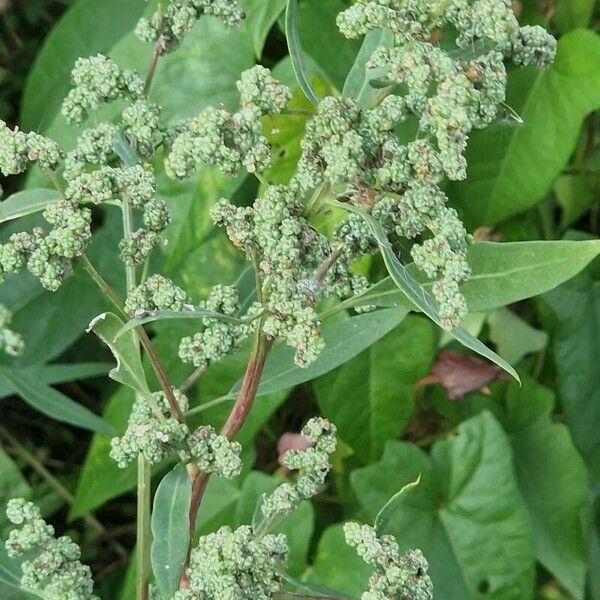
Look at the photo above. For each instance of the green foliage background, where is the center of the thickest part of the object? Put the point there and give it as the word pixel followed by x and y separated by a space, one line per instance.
pixel 509 501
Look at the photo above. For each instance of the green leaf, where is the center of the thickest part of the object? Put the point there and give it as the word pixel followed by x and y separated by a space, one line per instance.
pixel 322 41
pixel 511 168
pixel 343 340
pixel 575 194
pixel 466 515
pixel 575 343
pixel 513 337
pixel 52 374
pixel 357 83
pixel 53 403
pixel 385 515
pixel 421 299
pixel 12 485
pixel 10 569
pixel 553 481
pixel 337 565
pixel 164 315
pixel 26 203
pixel 570 14
pixel 171 529
pixel 370 397
pixel 503 273
pixel 261 15
pixel 129 370
pixel 296 52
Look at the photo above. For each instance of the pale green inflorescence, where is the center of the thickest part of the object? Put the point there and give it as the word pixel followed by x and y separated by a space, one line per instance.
pixel 157 293
pixel 11 342
pixel 396 575
pixel 51 566
pixel 214 453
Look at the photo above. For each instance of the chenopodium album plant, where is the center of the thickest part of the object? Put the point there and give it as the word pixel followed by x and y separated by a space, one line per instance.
pixel 442 75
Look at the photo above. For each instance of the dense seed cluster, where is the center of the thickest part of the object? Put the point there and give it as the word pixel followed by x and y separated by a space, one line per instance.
pixel 11 342
pixel 396 575
pixel 151 431
pixel 231 141
pixel 169 27
pixel 235 564
pixel 215 453
pixel 312 465
pixel 51 566
pixel 157 293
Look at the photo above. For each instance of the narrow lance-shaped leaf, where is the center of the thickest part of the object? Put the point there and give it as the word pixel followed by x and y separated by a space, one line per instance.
pixel 129 370
pixel 420 297
pixel 296 52
pixel 170 529
pixel 26 203
pixel 53 403
pixel 385 515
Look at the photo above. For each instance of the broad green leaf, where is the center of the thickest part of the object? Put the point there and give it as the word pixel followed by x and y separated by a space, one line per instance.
pixel 357 83
pixel 385 515
pixel 261 15
pixel 552 479
pixel 11 593
pixel 467 515
pixel 129 370
pixel 503 273
pixel 370 397
pixel 52 374
pixel 53 403
pixel 27 202
pixel 89 27
pixel 298 527
pixel 10 569
pixel 171 529
pixel 343 341
pixel 337 565
pixel 323 42
pixel 570 14
pixel 513 337
pixel 511 168
pixel 296 52
pixel 575 194
pixel 421 299
pixel 575 343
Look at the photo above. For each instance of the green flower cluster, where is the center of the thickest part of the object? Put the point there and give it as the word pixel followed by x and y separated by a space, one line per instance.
pixel 51 568
pixel 152 430
pixel 396 576
pixel 218 337
pixel 155 294
pixel 235 565
pixel 231 141
pixel 215 453
pixel 11 342
pixel 19 149
pixel 168 27
pixel 447 94
pixel 312 465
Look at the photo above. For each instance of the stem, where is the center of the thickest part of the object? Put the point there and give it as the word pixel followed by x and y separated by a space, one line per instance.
pixel 192 379
pixel 323 269
pixel 57 486
pixel 144 508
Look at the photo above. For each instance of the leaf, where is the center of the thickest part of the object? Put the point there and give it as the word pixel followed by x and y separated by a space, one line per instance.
pixel 466 515
pixel 337 565
pixel 417 294
pixel 164 315
pixel 27 202
pixel 570 14
pixel 295 49
pixel 503 273
pixel 10 569
pixel 171 529
pixel 513 337
pixel 575 343
pixel 129 370
pixel 511 168
pixel 575 194
pixel 552 479
pixel 261 15
pixel 343 340
pixel 53 403
pixel 12 485
pixel 385 515
pixel 51 374
pixel 370 397
pixel 323 42
pixel 357 83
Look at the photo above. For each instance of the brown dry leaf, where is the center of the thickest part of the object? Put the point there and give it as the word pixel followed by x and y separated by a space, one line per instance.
pixel 460 374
